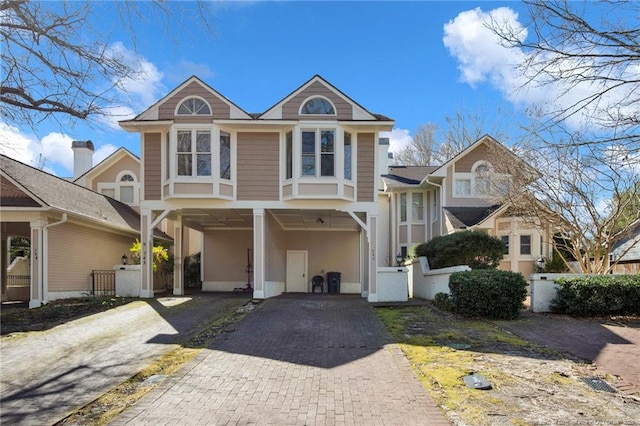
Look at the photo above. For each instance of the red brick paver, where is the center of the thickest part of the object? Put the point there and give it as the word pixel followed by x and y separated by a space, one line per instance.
pixel 296 360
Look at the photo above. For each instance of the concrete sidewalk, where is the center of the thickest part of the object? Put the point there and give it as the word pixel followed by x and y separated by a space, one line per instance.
pixel 46 375
pixel 296 360
pixel 613 348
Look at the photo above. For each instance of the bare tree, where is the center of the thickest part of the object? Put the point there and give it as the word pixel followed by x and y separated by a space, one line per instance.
pixel 54 65
pixel 431 146
pixel 589 54
pixel 419 152
pixel 584 195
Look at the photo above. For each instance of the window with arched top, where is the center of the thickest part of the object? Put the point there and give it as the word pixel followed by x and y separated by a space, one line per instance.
pixel 194 106
pixel 124 188
pixel 317 106
pixel 482 179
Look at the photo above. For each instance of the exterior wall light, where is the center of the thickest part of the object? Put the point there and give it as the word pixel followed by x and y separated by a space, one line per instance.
pixel 399 259
pixel 124 259
pixel 540 264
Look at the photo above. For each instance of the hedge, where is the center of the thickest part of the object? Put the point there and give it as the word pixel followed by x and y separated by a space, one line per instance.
pixel 487 293
pixel 597 295
pixel 473 248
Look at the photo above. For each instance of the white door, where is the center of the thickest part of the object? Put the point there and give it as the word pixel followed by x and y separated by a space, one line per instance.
pixel 297 281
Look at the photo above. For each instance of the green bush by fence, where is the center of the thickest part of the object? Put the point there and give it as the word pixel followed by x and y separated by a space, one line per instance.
pixel 598 295
pixel 476 249
pixel 487 293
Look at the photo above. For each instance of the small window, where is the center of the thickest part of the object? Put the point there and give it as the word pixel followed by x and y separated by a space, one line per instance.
pixel 505 243
pixel 525 244
pixel 318 152
pixel 194 147
pixel 463 187
pixel 289 154
pixel 194 106
pixel 317 106
pixel 347 155
pixel 126 194
pixel 109 192
pixel 482 180
pixel 403 207
pixel 225 155
pixel 417 206
pixel 126 178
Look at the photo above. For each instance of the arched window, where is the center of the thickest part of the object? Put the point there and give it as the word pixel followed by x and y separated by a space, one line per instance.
pixel 482 179
pixel 317 106
pixel 194 106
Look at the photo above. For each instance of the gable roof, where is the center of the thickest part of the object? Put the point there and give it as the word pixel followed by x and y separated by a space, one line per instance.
pixel 59 194
pixel 367 115
pixel 630 243
pixel 106 162
pixel 486 139
pixel 150 114
pixel 466 217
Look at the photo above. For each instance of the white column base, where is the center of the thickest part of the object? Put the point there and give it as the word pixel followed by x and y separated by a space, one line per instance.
pixel 372 297
pixel 258 294
pixel 146 294
pixel 35 303
pixel 178 292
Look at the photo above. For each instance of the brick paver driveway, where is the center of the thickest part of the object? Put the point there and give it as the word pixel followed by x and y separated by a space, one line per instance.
pixel 305 360
pixel 46 375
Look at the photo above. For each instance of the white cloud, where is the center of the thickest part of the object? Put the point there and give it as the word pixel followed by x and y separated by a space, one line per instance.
pixel 53 152
pixel 483 59
pixel 103 152
pixel 398 139
pixel 146 83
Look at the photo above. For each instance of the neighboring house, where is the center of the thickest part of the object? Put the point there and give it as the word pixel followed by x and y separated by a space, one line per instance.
pixel 118 176
pixel 425 202
pixel 627 252
pixel 72 230
pixel 280 196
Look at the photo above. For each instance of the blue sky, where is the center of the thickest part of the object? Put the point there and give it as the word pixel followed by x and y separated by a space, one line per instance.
pixel 412 61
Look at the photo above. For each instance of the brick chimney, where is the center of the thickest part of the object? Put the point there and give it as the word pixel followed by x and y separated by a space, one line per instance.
pixel 82 157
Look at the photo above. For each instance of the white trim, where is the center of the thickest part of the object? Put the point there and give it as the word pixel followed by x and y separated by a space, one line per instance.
pixel 183 100
pixel 303 103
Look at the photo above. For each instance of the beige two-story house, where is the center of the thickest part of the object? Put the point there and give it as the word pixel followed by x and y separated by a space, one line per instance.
pixel 279 196
pixel 424 202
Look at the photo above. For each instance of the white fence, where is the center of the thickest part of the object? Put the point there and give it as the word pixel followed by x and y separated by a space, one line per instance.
pixel 425 283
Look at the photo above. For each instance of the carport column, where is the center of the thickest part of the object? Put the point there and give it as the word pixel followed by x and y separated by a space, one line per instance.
pixel 372 223
pixel 37 254
pixel 258 253
pixel 146 253
pixel 178 283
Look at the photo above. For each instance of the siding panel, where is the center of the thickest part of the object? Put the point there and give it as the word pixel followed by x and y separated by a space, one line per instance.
pixel 366 166
pixel 258 166
pixel 110 174
pixel 75 251
pixel 219 108
pixel 464 164
pixel 344 110
pixel 152 166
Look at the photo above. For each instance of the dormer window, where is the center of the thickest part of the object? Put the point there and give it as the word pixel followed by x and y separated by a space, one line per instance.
pixel 317 106
pixel 194 106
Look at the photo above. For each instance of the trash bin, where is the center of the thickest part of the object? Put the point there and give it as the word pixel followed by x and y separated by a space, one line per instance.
pixel 333 282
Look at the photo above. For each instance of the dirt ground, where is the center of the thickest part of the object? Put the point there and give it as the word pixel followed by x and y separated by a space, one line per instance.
pixel 531 384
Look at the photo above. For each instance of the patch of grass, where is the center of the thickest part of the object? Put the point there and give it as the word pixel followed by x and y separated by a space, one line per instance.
pixel 55 312
pixel 105 408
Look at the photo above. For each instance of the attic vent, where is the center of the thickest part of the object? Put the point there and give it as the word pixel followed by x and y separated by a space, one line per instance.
pixel 597 384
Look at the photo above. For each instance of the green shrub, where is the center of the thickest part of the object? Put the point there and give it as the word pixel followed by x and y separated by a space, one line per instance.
pixel 556 264
pixel 442 301
pixel 488 293
pixel 473 248
pixel 598 295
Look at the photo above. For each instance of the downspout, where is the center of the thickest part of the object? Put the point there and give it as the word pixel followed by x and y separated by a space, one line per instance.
pixel 45 259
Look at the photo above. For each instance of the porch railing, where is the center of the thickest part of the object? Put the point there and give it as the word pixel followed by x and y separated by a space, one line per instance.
pixel 18 280
pixel 103 282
